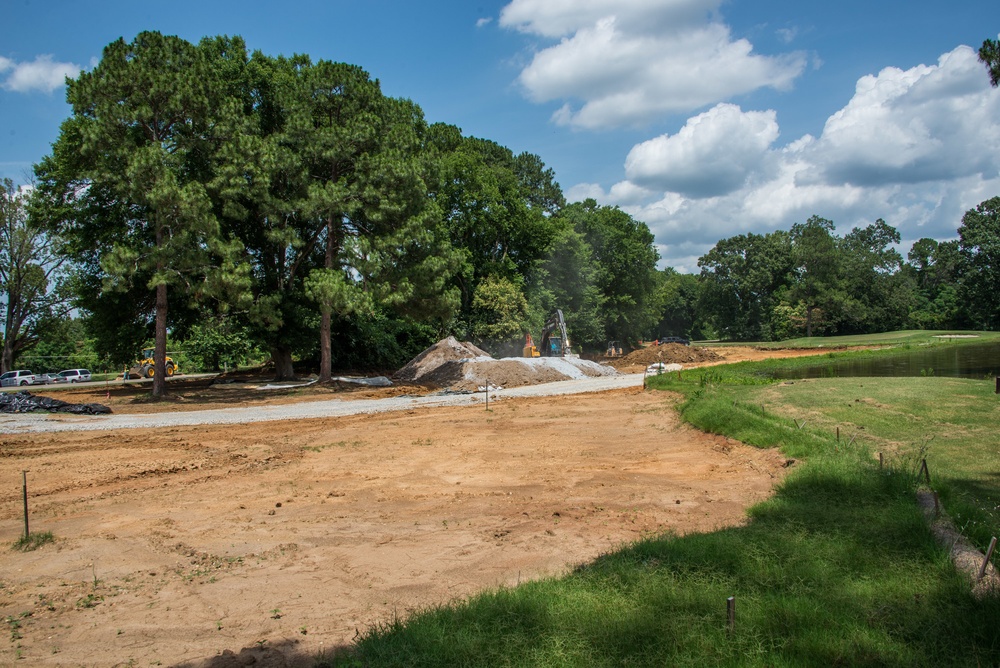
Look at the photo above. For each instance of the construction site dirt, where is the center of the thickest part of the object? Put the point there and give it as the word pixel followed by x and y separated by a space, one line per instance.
pixel 215 545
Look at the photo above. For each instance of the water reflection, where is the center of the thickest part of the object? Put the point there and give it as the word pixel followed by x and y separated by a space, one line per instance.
pixel 958 361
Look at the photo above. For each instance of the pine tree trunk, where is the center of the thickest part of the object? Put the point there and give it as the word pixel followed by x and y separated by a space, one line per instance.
pixel 282 358
pixel 325 343
pixel 160 346
pixel 160 337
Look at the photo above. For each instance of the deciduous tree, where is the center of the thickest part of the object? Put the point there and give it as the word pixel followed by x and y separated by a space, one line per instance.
pixel 32 277
pixel 979 244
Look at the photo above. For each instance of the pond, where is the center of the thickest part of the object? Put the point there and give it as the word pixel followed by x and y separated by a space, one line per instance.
pixel 959 361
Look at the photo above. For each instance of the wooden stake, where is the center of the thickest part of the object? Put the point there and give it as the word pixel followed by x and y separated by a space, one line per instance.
pixel 24 486
pixel 852 439
pixel 731 613
pixel 927 473
pixel 487 394
pixel 989 553
pixel 880 461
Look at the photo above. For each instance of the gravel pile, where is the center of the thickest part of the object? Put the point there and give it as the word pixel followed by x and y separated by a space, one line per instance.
pixel 458 365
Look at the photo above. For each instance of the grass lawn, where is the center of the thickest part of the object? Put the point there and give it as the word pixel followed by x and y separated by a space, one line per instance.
pixel 838 568
pixel 952 422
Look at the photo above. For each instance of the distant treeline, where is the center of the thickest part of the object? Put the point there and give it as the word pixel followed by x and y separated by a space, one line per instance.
pixel 811 282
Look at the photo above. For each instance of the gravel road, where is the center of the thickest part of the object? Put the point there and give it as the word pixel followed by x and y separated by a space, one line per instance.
pixel 45 422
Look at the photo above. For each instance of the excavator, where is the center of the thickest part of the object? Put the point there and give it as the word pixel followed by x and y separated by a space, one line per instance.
pixel 554 341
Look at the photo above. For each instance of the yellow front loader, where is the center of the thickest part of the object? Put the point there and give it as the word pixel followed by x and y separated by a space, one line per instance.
pixel 146 367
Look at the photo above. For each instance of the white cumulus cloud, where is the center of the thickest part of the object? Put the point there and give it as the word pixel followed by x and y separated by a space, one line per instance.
pixel 42 74
pixel 632 61
pixel 916 147
pixel 713 154
pixel 910 126
pixel 558 18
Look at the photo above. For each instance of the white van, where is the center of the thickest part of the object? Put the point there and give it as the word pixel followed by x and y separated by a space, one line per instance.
pixel 75 376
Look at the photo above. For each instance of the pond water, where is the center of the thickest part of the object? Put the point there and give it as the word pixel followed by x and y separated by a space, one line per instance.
pixel 974 360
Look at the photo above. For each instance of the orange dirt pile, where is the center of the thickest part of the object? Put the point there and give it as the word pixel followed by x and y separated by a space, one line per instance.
pixel 445 350
pixel 668 353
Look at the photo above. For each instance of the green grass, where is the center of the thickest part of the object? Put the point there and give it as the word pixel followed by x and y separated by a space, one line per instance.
pixel 33 541
pixel 911 337
pixel 950 421
pixel 837 568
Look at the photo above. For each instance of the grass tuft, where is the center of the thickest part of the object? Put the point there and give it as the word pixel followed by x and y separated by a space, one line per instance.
pixel 33 541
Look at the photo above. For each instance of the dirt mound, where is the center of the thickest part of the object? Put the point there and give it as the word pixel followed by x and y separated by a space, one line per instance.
pixel 457 365
pixel 445 350
pixel 472 374
pixel 668 353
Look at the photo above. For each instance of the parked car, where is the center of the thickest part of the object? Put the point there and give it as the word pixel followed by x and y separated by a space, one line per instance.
pixel 17 378
pixel 675 339
pixel 75 376
pixel 48 379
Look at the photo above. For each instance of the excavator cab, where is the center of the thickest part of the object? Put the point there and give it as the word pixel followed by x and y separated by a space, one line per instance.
pixel 555 340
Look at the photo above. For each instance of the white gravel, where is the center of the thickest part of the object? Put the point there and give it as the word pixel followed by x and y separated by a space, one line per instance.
pixel 46 422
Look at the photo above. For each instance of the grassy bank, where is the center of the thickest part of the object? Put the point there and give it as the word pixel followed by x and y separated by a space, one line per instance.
pixel 838 568
pixel 913 337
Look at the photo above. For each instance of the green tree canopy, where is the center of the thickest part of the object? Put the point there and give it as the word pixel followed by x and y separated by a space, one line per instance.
pixel 989 55
pixel 625 259
pixel 141 136
pixel 33 288
pixel 743 280
pixel 979 245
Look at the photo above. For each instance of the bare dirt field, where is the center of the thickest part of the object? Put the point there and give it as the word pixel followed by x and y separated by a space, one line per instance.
pixel 214 545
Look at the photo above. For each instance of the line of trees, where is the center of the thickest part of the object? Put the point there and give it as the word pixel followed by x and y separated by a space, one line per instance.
pixel 214 194
pixel 811 282
pixel 240 202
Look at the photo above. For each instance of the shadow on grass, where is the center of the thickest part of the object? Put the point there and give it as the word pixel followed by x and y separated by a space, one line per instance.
pixel 838 568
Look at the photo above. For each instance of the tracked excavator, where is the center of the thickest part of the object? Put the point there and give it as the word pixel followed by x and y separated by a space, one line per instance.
pixel 554 341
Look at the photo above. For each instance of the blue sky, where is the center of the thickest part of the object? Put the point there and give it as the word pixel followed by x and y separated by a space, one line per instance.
pixel 702 118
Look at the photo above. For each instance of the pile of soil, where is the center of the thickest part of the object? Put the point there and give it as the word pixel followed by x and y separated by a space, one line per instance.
pixel 668 353
pixel 477 374
pixel 457 365
pixel 445 350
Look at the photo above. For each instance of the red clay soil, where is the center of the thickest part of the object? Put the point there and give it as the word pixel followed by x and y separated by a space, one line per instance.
pixel 668 353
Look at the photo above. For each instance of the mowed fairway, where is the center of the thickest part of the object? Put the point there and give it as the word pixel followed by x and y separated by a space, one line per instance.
pixel 952 422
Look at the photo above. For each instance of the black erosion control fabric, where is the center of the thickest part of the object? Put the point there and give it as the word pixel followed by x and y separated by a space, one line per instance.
pixel 25 402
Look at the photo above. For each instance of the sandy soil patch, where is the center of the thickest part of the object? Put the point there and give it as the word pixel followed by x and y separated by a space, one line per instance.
pixel 186 545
